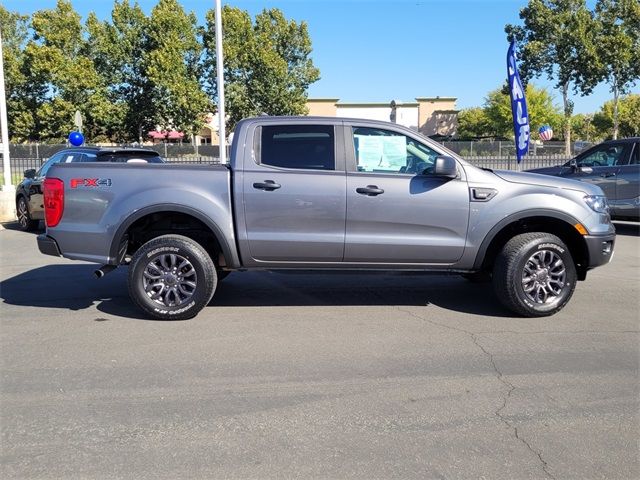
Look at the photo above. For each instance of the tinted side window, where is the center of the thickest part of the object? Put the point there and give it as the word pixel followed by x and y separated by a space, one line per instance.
pixel 603 156
pixel 45 168
pixel 309 147
pixel 635 156
pixel 384 151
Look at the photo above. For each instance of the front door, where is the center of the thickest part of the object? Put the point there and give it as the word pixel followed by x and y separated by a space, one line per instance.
pixel 601 166
pixel 397 211
pixel 294 195
pixel 627 201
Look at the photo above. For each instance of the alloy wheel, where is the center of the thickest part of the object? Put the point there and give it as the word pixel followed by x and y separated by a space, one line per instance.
pixel 543 277
pixel 170 280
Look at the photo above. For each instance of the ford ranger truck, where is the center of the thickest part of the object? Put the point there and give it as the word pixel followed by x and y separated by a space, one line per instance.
pixel 314 193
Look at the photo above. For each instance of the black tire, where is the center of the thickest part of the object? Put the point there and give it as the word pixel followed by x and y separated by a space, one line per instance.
pixel 25 222
pixel 534 275
pixel 175 270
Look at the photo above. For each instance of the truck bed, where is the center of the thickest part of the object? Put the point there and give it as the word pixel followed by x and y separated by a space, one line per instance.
pixel 92 189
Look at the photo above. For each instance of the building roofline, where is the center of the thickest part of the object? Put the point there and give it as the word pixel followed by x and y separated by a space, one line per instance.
pixel 436 99
pixel 377 104
pixel 322 99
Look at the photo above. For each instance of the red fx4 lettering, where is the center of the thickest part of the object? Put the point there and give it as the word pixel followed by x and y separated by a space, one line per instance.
pixel 90 182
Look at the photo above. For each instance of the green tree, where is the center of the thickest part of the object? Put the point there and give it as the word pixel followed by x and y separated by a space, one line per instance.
pixel 619 47
pixel 61 76
pixel 583 128
pixel 171 64
pixel 267 68
pixel 628 117
pixel 540 107
pixel 558 39
pixel 14 28
pixel 116 48
pixel 474 123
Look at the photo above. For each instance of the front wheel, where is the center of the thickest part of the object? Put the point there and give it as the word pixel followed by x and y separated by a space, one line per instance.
pixel 172 278
pixel 534 274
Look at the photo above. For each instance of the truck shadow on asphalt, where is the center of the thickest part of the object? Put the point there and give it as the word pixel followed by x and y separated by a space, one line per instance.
pixel 14 226
pixel 74 287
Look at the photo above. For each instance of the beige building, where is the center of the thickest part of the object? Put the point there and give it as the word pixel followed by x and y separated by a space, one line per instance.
pixel 428 115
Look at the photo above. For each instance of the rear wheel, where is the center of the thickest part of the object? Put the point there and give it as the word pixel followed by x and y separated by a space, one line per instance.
pixel 172 278
pixel 534 274
pixel 25 222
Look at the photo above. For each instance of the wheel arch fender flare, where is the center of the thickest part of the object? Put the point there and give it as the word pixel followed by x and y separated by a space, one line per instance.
pixel 505 222
pixel 227 251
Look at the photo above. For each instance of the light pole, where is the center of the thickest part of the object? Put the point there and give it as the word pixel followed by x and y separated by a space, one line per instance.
pixel 4 128
pixel 220 69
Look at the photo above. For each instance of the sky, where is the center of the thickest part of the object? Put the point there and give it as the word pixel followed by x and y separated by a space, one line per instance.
pixel 378 51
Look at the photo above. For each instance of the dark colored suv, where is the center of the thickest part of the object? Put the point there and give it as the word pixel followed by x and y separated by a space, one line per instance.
pixel 614 166
pixel 29 207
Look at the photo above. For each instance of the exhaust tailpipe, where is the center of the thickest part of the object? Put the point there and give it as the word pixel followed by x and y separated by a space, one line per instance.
pixel 103 270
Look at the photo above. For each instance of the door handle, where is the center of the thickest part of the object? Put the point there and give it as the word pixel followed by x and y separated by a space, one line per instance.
pixel 369 190
pixel 267 185
pixel 608 174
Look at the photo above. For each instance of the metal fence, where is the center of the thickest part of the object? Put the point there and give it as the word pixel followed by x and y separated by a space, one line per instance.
pixel 503 149
pixel 19 165
pixel 168 150
pixel 496 155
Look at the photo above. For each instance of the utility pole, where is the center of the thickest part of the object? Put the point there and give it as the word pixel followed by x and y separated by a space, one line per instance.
pixel 220 64
pixel 4 128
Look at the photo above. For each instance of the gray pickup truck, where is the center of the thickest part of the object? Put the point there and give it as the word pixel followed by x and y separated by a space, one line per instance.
pixel 318 193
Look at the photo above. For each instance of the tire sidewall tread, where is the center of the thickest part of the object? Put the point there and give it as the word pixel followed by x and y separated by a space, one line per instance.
pixel 31 223
pixel 508 267
pixel 191 250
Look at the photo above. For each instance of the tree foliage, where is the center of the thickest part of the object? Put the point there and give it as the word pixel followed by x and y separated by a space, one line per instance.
pixel 618 45
pixel 557 39
pixel 628 117
pixel 116 50
pixel 14 28
pixel 473 123
pixel 495 120
pixel 268 68
pixel 133 72
pixel 171 64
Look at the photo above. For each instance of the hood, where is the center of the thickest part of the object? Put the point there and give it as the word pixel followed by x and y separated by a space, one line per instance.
pixel 548 181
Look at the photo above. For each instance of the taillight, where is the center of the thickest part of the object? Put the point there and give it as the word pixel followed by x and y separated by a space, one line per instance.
pixel 53 201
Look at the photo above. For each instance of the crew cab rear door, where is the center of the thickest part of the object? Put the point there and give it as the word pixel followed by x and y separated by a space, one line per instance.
pixel 294 193
pixel 397 213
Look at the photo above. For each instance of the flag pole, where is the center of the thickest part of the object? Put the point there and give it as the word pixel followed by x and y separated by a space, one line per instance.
pixel 220 68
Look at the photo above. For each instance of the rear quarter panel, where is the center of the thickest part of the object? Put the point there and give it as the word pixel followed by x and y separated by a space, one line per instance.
pixel 94 211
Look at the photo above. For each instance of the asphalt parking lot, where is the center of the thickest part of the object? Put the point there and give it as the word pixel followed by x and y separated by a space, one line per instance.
pixel 316 376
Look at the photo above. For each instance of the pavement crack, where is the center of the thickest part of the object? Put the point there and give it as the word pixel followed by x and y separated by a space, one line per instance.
pixel 510 387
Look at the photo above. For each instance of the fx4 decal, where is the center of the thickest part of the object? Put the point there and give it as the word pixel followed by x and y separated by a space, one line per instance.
pixel 90 182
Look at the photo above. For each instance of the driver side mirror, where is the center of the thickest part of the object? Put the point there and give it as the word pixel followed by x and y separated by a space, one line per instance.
pixel 30 173
pixel 445 167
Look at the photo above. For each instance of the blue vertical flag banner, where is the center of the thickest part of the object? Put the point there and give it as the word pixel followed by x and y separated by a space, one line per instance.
pixel 521 127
